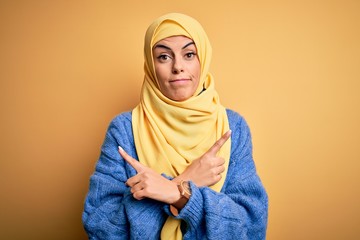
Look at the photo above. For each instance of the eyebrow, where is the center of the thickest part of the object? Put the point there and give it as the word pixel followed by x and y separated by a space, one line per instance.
pixel 166 47
pixel 190 43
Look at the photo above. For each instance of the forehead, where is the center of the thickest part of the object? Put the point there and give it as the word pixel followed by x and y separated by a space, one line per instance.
pixel 175 42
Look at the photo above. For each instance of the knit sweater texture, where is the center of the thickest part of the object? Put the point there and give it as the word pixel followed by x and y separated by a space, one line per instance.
pixel 239 211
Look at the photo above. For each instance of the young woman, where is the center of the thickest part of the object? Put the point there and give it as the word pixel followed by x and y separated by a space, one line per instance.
pixel 179 165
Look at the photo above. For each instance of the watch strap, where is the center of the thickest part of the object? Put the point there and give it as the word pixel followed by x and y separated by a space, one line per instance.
pixel 185 194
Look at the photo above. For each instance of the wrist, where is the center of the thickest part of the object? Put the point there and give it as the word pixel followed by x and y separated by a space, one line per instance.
pixel 182 177
pixel 176 196
pixel 177 180
pixel 185 193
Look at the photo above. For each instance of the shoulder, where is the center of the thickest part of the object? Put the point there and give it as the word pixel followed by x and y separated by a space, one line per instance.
pixel 119 133
pixel 241 135
pixel 124 117
pixel 233 116
pixel 236 121
pixel 121 122
pixel 120 126
pixel 241 161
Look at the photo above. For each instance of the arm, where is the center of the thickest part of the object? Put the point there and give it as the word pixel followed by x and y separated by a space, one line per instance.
pixel 110 211
pixel 147 183
pixel 240 209
pixel 106 191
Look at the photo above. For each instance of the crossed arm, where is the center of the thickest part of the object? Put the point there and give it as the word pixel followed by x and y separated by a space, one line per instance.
pixel 113 211
pixel 203 172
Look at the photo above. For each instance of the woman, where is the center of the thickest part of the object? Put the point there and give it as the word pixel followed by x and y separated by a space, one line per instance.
pixel 169 169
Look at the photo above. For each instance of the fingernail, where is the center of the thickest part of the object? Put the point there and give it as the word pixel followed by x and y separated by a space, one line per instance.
pixel 120 148
pixel 230 131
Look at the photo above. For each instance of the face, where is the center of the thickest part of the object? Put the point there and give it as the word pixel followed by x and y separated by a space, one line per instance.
pixel 177 67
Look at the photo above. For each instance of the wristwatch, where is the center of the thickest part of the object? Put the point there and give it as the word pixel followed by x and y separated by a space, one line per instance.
pixel 185 193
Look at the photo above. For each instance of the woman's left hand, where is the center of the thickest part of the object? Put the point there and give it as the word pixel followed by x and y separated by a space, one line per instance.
pixel 149 184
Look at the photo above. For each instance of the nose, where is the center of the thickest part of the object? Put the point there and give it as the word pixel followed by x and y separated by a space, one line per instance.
pixel 177 66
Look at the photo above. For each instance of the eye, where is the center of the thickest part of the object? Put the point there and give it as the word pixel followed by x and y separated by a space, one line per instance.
pixel 163 58
pixel 190 55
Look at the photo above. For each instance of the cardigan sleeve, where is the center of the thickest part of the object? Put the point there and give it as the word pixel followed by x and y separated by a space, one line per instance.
pixel 110 211
pixel 240 209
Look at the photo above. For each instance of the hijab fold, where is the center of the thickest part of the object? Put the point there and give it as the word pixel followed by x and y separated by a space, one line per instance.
pixel 169 134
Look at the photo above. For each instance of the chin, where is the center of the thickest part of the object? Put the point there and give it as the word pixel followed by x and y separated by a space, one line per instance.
pixel 180 95
pixel 179 98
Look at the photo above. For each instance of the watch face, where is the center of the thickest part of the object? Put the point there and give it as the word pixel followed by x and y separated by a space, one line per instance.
pixel 185 193
pixel 185 188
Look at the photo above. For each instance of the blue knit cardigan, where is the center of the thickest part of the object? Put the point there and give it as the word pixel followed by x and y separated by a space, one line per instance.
pixel 239 211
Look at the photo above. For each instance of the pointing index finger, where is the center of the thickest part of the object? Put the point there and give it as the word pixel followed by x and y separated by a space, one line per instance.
pixel 134 163
pixel 219 143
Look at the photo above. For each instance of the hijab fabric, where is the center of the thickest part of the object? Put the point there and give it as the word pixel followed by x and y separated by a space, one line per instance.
pixel 169 134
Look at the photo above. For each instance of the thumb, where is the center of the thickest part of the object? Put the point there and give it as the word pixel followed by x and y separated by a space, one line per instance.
pixel 133 162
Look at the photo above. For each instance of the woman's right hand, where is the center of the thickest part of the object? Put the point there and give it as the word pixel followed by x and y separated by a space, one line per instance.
pixel 206 170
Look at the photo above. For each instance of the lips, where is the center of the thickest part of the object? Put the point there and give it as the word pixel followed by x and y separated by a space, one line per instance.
pixel 180 80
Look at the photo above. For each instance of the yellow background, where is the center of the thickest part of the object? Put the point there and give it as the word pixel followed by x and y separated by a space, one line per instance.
pixel 291 68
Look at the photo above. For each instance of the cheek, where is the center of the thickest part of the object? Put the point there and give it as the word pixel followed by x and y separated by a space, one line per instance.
pixel 161 75
pixel 159 72
pixel 196 71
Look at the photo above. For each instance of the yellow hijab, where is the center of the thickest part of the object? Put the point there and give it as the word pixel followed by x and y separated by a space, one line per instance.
pixel 168 134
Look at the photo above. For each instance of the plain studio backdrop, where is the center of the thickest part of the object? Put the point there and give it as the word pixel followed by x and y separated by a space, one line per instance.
pixel 291 68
